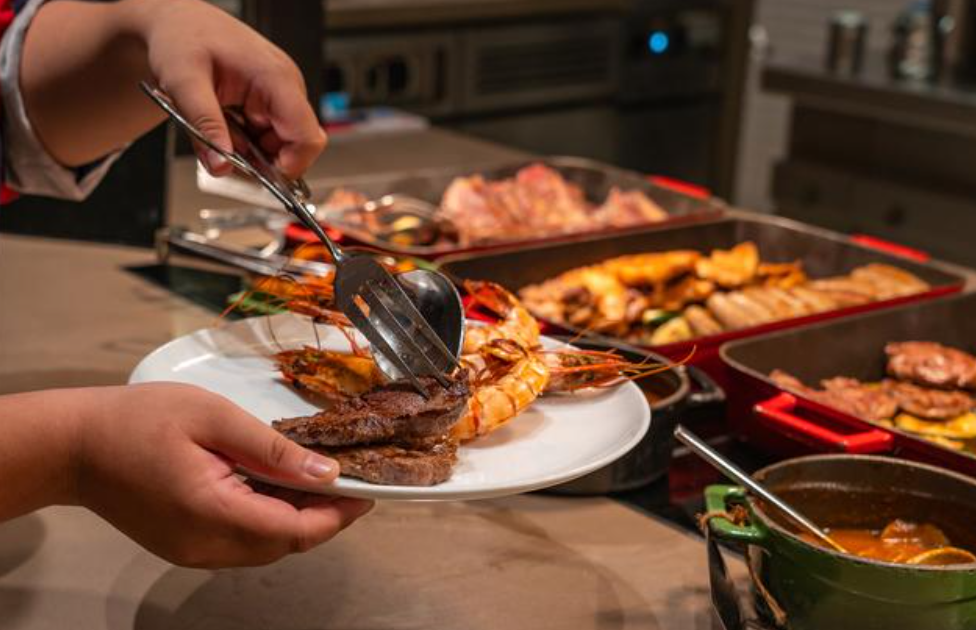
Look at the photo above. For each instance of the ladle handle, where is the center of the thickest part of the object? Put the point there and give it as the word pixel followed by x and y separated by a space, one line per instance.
pixel 735 473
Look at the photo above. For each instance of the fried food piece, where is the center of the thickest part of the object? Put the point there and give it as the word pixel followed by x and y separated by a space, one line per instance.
pixel 651 269
pixel 673 331
pixel 732 268
pixel 782 275
pixel 757 313
pixel 332 375
pixel 960 428
pixel 701 321
pixel 685 291
pixel 931 364
pixel 927 403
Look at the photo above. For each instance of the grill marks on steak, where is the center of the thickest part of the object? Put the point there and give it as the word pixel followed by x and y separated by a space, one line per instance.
pixel 931 364
pixel 882 401
pixel 392 412
pixel 391 435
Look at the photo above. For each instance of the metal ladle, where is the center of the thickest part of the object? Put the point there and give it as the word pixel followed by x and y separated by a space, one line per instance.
pixel 739 476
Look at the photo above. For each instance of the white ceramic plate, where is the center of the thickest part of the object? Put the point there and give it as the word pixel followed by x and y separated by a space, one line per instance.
pixel 557 439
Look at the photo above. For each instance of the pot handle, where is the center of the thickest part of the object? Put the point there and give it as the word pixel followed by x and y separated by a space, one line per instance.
pixel 780 413
pixel 708 390
pixel 717 501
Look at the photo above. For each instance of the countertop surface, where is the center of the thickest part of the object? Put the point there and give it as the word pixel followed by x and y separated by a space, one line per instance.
pixel 75 314
pixel 873 92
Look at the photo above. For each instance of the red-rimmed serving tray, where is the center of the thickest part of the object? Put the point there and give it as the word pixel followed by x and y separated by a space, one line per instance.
pixel 823 253
pixel 784 423
pixel 684 202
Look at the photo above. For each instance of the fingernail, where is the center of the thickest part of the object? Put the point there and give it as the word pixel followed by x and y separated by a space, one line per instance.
pixel 215 161
pixel 319 467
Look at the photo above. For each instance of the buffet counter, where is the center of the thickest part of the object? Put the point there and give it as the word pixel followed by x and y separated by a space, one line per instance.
pixel 75 314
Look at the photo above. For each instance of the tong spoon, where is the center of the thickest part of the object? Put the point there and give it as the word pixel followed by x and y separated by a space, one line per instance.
pixel 364 290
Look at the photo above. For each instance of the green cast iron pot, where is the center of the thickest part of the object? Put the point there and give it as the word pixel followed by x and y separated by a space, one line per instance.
pixel 821 589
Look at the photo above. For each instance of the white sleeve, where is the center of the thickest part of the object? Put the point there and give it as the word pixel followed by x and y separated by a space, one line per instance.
pixel 28 168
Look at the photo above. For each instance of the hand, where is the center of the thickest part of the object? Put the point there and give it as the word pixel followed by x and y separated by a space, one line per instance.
pixel 205 59
pixel 157 461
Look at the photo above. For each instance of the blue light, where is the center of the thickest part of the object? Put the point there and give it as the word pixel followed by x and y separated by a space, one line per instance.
pixel 658 42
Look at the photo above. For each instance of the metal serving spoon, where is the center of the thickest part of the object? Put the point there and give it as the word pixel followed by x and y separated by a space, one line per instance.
pixel 739 476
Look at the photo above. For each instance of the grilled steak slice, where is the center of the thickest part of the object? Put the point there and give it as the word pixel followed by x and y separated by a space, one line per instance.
pixel 931 364
pixel 927 403
pixel 870 402
pixel 393 412
pixel 397 465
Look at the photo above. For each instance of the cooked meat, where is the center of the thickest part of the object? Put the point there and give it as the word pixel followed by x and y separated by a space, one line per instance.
pixel 843 292
pixel 623 208
pixel 931 404
pixel 778 301
pixel 731 315
pixel 701 321
pixel 397 465
pixel 891 281
pixel 880 401
pixel 816 301
pixel 871 402
pixel 931 364
pixel 392 412
pixel 846 285
pixel 758 314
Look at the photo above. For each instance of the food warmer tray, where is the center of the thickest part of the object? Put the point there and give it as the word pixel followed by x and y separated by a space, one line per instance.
pixel 823 253
pixel 787 424
pixel 684 202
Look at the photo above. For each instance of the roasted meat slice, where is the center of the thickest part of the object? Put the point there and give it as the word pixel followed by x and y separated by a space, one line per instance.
pixel 422 464
pixel 632 207
pixel 870 402
pixel 389 413
pixel 928 403
pixel 932 364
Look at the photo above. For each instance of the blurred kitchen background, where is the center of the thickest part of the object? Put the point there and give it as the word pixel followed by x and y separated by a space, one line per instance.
pixel 737 96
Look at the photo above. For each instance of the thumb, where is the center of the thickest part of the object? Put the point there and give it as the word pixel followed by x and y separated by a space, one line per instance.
pixel 194 95
pixel 250 443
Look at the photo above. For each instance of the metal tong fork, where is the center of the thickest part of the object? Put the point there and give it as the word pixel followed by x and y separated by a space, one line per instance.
pixel 365 291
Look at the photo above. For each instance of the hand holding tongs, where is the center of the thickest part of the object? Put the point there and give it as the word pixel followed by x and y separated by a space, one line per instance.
pixel 364 290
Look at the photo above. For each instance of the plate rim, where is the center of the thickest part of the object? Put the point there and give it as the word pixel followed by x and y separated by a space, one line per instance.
pixel 356 488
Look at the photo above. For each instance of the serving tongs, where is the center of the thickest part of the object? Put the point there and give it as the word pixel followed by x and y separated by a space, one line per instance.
pixel 365 292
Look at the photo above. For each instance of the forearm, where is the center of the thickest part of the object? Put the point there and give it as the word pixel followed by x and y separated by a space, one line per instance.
pixel 80 68
pixel 38 439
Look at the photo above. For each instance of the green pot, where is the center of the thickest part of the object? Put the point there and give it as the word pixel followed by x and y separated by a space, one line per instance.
pixel 821 589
